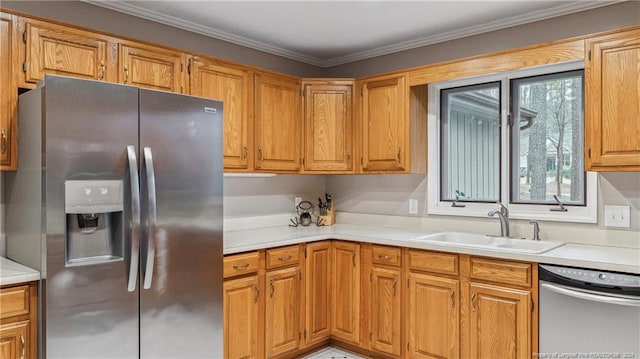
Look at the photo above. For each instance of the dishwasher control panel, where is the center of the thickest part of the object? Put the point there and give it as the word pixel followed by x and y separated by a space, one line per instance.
pixel 597 277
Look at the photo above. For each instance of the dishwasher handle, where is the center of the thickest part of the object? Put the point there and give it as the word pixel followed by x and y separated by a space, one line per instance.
pixel 591 295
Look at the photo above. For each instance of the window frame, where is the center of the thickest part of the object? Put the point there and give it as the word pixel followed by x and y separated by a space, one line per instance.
pixel 436 206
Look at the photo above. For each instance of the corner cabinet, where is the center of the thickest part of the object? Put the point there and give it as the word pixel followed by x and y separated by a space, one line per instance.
pixel 393 125
pixel 612 102
pixel 328 126
pixel 232 86
pixel 8 93
pixel 278 122
pixel 345 293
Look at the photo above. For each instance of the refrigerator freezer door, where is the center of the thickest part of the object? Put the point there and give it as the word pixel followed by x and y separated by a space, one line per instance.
pixel 89 313
pixel 181 312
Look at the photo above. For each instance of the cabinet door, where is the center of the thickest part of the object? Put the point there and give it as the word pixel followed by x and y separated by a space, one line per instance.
pixel 241 318
pixel 433 316
pixel 500 322
pixel 317 292
pixel 282 312
pixel 384 124
pixel 14 340
pixel 328 135
pixel 385 310
pixel 231 86
pixel 60 50
pixel 149 67
pixel 345 293
pixel 8 94
pixel 612 100
pixel 277 123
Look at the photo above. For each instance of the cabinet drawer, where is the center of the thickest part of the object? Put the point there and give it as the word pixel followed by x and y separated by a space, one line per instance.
pixel 433 262
pixel 386 255
pixel 239 264
pixel 280 257
pixel 501 271
pixel 14 301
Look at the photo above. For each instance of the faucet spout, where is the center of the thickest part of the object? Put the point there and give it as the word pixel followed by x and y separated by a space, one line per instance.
pixel 503 216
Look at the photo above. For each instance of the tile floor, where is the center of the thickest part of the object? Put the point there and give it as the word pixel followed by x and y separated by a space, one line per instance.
pixel 332 353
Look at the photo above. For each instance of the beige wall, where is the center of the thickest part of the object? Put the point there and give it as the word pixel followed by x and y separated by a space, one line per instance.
pixel 98 18
pixel 582 23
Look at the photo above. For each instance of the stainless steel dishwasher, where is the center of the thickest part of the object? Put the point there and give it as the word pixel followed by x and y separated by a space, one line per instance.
pixel 588 313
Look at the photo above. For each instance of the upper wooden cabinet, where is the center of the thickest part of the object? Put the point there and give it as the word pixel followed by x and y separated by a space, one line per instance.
pixel 66 51
pixel 232 86
pixel 612 102
pixel 328 125
pixel 150 67
pixel 8 93
pixel 393 125
pixel 278 119
pixel 385 130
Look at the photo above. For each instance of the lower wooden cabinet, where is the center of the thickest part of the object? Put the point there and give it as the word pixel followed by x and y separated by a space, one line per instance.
pixel 345 292
pixel 382 301
pixel 317 292
pixel 282 330
pixel 242 324
pixel 434 316
pixel 386 325
pixel 500 321
pixel 18 321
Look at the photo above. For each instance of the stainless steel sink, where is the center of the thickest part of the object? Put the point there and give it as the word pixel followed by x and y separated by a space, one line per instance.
pixel 490 242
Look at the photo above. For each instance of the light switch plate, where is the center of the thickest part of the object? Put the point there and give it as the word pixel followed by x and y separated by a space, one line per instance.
pixel 617 216
pixel 413 206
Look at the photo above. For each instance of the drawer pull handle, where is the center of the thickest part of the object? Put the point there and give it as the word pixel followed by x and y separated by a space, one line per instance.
pixel 273 288
pixel 23 346
pixel 241 266
pixel 255 287
pixel 101 70
pixel 453 298
pixel 284 258
pixel 386 257
pixel 473 301
pixel 3 145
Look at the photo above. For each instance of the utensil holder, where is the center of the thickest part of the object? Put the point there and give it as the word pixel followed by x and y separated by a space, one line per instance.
pixel 329 218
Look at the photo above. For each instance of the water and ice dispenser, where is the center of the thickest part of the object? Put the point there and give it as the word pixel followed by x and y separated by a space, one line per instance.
pixel 94 218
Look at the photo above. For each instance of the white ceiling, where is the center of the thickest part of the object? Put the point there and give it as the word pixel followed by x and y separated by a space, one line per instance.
pixel 329 33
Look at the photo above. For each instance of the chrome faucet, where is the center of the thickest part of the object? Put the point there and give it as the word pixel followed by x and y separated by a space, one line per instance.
pixel 503 215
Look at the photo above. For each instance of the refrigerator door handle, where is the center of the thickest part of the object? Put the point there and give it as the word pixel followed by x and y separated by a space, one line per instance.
pixel 152 216
pixel 135 218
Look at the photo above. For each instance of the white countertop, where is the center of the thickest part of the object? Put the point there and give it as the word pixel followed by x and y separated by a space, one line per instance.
pixel 577 255
pixel 14 273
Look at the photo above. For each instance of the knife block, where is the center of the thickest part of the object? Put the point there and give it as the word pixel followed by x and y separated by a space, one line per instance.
pixel 329 218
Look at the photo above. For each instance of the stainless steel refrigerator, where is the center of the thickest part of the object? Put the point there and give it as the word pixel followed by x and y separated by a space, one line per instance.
pixel 118 202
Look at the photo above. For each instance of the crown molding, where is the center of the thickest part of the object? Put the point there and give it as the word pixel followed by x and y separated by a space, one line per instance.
pixel 173 21
pixel 564 9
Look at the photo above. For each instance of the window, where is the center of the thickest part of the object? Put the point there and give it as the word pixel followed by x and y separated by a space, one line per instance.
pixel 515 138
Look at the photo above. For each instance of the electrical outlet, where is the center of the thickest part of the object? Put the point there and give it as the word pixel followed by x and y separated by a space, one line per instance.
pixel 413 206
pixel 617 216
pixel 297 201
